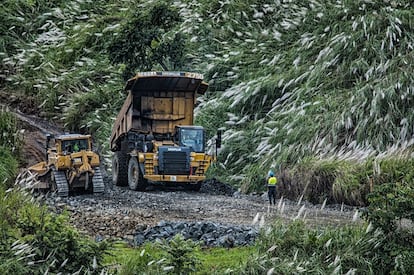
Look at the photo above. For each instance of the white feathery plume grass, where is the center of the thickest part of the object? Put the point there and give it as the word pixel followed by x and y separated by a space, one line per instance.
pixel 300 200
pixel 94 263
pixel 370 227
pixel 352 271
pixel 272 248
pixel 301 210
pixel 168 268
pixel 282 209
pixel 356 216
pixel 328 243
pixel 323 204
pixel 262 222
pixel 256 218
pixel 279 204
pixel 295 257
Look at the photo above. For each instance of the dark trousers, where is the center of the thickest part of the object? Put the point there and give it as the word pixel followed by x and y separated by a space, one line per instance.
pixel 272 194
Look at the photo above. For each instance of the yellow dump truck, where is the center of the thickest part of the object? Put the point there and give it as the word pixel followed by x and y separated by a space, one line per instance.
pixel 70 164
pixel 153 138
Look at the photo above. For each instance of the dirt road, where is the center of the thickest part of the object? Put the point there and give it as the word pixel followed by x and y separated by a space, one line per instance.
pixel 120 212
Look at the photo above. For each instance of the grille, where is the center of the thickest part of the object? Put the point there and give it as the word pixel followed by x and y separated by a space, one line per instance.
pixel 174 162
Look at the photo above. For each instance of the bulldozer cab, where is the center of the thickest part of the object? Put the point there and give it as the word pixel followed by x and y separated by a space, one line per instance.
pixel 191 136
pixel 71 143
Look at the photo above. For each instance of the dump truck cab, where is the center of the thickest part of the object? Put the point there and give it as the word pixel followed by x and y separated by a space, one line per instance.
pixel 191 136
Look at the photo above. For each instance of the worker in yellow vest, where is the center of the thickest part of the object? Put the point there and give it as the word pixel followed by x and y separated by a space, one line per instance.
pixel 271 188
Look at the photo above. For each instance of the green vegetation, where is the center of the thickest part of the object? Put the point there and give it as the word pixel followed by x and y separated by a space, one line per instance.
pixel 153 258
pixel 320 91
pixel 293 248
pixel 148 41
pixel 345 181
pixel 289 81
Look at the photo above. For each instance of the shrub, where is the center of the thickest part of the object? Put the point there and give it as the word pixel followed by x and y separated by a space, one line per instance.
pixel 175 256
pixel 389 205
pixel 59 247
pixel 144 43
pixel 35 240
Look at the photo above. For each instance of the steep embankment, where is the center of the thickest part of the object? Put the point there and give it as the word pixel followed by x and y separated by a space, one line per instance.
pixel 320 85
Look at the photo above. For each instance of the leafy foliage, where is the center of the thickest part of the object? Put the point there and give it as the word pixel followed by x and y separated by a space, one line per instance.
pixel 179 254
pixel 145 41
pixel 322 74
pixel 390 204
pixel 343 181
pixel 175 256
pixel 37 241
pixel 289 81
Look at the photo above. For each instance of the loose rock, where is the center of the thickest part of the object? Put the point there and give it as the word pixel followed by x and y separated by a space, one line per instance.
pixel 207 233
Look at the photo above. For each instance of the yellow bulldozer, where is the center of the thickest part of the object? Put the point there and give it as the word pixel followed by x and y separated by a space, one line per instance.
pixel 70 165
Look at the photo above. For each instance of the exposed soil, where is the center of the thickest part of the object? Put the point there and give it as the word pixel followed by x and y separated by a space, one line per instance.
pixel 120 212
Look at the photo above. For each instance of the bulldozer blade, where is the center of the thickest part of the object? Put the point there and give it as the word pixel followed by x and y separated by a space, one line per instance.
pixel 39 168
pixel 32 180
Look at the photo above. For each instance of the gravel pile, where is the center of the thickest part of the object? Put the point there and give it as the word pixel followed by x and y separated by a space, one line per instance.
pixel 215 187
pixel 208 233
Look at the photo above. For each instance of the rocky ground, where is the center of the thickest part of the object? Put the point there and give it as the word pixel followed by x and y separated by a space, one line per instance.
pixel 121 213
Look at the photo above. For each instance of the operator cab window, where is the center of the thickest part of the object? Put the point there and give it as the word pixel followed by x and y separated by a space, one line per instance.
pixel 73 146
pixel 193 138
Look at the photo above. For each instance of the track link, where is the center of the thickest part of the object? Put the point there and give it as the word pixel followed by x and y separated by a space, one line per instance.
pixel 61 183
pixel 97 181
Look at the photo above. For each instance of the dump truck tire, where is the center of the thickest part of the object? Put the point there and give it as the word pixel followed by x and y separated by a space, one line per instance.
pixel 135 179
pixel 120 168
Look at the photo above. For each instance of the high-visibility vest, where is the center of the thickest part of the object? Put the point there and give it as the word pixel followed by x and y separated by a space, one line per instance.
pixel 272 181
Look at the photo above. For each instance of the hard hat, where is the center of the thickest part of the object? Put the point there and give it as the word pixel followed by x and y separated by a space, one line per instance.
pixel 271 174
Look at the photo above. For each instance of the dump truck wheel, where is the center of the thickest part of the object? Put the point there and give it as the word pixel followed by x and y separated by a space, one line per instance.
pixel 120 168
pixel 135 179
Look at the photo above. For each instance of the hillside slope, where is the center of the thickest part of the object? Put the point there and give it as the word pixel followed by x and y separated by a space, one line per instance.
pixel 289 80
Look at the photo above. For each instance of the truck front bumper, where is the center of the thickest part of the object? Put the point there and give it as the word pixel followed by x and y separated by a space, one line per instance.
pixel 174 178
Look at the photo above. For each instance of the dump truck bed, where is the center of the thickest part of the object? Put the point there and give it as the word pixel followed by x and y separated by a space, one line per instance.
pixel 157 102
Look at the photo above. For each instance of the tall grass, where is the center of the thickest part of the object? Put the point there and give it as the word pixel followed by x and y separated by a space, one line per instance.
pixel 10 147
pixel 324 75
pixel 294 248
pixel 288 80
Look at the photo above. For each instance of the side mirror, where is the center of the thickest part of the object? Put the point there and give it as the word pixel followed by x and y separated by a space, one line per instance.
pixel 49 136
pixel 218 139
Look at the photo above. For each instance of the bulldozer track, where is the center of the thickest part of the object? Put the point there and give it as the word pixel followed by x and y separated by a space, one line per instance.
pixel 61 183
pixel 97 181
